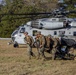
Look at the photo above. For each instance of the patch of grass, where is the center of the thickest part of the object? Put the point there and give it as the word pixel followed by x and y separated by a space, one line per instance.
pixel 14 61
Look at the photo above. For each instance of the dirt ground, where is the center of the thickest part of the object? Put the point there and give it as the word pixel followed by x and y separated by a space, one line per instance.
pixel 14 61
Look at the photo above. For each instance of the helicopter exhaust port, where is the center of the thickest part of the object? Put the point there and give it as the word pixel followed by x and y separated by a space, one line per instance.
pixel 36 24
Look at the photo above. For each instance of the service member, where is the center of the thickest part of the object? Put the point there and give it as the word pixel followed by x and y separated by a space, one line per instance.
pixel 40 38
pixel 54 49
pixel 48 42
pixel 29 41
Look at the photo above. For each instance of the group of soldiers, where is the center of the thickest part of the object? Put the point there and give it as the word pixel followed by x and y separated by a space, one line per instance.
pixel 41 42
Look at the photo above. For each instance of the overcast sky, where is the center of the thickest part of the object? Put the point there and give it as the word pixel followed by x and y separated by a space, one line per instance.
pixel 0 0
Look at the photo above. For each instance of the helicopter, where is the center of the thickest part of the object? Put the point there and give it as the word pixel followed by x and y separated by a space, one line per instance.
pixel 46 27
pixel 58 26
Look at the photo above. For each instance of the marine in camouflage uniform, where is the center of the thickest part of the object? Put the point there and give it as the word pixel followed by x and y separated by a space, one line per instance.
pixel 48 44
pixel 40 38
pixel 54 49
pixel 29 42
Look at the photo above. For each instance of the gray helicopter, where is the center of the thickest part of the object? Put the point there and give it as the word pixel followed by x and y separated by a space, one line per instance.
pixel 58 26
pixel 46 26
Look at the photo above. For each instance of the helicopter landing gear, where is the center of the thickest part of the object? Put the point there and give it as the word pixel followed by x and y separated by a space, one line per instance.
pixel 15 45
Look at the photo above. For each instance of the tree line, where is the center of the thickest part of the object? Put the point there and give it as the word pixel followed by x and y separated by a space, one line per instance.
pixel 8 23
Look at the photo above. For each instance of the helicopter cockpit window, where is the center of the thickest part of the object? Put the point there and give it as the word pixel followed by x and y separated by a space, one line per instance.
pixel 34 32
pixel 22 30
pixel 15 32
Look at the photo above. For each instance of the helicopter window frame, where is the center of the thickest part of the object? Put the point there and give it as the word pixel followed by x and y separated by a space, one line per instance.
pixel 55 32
pixel 74 33
pixel 22 30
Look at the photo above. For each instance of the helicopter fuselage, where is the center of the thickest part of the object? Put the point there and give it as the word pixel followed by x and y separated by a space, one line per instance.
pixel 55 28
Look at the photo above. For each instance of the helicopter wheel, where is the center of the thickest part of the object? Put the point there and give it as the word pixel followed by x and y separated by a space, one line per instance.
pixel 15 45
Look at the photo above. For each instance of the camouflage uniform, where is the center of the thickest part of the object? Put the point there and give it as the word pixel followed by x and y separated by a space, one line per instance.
pixel 48 44
pixel 58 41
pixel 48 41
pixel 29 42
pixel 54 50
pixel 40 38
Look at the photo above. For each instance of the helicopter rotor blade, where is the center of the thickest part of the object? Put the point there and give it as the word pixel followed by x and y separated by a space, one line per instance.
pixel 24 17
pixel 26 13
pixel 35 15
pixel 15 18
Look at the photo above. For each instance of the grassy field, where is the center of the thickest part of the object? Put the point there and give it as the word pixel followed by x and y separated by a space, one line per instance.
pixel 14 61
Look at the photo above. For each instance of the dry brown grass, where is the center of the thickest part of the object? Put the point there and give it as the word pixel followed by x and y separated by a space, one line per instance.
pixel 14 61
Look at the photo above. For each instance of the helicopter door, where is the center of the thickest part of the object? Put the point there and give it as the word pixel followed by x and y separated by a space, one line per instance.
pixel 21 36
